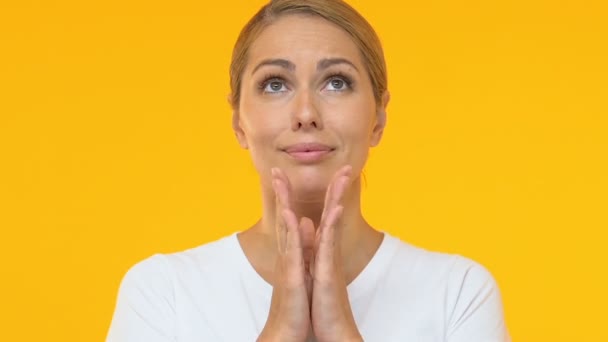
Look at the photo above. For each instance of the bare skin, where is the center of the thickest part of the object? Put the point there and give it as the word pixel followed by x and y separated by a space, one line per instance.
pixel 309 282
pixel 312 239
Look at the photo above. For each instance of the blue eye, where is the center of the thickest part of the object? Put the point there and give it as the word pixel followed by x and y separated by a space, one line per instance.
pixel 338 83
pixel 273 85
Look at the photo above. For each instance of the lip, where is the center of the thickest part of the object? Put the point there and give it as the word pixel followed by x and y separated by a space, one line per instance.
pixel 307 147
pixel 308 152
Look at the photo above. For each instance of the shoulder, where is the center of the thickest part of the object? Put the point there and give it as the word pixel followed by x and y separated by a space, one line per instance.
pixel 145 303
pixel 469 292
pixel 462 282
pixel 159 271
pixel 213 255
pixel 453 268
pixel 150 275
pixel 154 291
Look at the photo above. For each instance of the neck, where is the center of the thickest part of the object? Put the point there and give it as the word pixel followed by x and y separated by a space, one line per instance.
pixel 355 234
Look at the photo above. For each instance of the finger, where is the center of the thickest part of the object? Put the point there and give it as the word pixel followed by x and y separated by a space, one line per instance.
pixel 281 229
pixel 328 247
pixel 282 193
pixel 326 205
pixel 327 230
pixel 294 260
pixel 343 171
pixel 340 190
pixel 281 186
pixel 307 235
pixel 283 189
pixel 293 234
pixel 285 180
pixel 335 190
pixel 307 238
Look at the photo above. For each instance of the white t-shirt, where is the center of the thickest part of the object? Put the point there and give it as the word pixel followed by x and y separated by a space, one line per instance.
pixel 213 293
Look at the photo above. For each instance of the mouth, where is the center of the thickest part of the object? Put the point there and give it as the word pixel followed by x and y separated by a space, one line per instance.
pixel 310 156
pixel 308 152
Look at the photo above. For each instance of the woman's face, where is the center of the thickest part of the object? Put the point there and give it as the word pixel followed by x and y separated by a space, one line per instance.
pixel 307 105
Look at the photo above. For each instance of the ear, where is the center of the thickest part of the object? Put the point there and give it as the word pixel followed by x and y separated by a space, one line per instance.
pixel 236 125
pixel 380 119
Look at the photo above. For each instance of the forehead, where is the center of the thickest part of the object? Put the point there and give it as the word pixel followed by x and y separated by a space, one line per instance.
pixel 303 38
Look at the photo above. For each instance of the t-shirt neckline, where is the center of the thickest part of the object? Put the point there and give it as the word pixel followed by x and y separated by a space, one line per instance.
pixel 365 279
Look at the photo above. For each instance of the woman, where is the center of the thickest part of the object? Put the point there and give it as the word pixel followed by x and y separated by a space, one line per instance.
pixel 309 94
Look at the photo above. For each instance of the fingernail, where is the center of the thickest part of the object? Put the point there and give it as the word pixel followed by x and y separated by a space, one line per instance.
pixel 274 184
pixel 345 180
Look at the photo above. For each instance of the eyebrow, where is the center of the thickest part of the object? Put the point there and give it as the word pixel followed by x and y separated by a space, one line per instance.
pixel 321 65
pixel 283 63
pixel 327 62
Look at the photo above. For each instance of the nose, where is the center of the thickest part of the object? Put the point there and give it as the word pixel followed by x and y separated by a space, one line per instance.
pixel 305 112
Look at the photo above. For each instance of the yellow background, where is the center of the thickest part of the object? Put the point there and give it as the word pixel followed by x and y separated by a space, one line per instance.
pixel 115 143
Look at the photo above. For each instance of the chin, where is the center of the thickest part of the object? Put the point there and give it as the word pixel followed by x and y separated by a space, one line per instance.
pixel 308 193
pixel 308 186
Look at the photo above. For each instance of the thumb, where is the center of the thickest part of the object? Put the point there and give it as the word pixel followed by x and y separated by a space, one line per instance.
pixel 307 238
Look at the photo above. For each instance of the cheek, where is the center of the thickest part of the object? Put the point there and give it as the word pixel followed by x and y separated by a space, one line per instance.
pixel 355 122
pixel 262 136
pixel 354 125
pixel 260 122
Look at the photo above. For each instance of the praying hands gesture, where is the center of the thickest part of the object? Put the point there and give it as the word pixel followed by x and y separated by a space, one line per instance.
pixel 309 293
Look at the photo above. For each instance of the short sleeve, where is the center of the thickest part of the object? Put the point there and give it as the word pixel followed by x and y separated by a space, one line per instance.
pixel 476 305
pixel 145 309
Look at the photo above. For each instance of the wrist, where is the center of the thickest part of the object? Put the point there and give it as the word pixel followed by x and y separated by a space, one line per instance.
pixel 267 336
pixel 352 335
pixel 275 336
pixel 347 336
pixel 354 338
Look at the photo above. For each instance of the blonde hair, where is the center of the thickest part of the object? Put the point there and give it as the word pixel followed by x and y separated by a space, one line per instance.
pixel 335 11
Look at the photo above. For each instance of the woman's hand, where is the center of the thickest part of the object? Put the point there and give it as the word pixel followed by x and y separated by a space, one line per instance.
pixel 310 287
pixel 332 317
pixel 289 315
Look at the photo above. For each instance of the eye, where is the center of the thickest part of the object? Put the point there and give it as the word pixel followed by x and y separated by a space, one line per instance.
pixel 338 83
pixel 274 85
